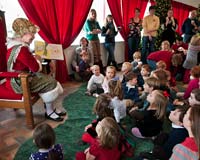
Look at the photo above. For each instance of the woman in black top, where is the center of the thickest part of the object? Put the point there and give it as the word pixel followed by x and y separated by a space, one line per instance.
pixel 169 27
pixel 109 32
pixel 134 35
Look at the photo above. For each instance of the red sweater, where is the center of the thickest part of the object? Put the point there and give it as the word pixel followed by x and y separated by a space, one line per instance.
pixel 24 62
pixel 161 55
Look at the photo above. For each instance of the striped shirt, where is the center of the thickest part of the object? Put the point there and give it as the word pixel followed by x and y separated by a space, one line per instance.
pixel 186 150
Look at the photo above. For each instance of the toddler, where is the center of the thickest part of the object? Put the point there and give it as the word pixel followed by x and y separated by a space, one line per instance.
pixel 84 66
pixel 126 68
pixel 130 89
pixel 44 138
pixel 145 71
pixel 136 63
pixel 95 82
pixel 110 74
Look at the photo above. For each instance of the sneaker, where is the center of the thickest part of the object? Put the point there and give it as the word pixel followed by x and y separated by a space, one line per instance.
pixel 95 95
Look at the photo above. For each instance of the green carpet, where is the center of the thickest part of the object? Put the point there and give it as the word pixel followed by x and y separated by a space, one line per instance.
pixel 79 109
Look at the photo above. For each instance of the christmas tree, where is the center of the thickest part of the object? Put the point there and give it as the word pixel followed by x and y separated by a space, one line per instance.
pixel 162 7
pixel 198 13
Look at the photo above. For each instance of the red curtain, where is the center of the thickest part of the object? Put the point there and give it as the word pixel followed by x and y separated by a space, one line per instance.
pixel 122 11
pixel 2 42
pixel 60 21
pixel 181 12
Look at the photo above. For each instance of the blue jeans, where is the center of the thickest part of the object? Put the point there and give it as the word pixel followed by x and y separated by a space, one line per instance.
pixel 133 45
pixel 152 64
pixel 147 47
pixel 110 47
pixel 187 38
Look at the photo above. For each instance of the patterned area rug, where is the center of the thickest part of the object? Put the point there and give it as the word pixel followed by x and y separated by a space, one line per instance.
pixel 79 109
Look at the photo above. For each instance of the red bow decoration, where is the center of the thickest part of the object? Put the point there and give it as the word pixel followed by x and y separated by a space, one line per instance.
pixel 165 93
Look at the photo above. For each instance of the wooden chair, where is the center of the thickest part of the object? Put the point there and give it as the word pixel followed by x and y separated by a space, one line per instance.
pixel 9 99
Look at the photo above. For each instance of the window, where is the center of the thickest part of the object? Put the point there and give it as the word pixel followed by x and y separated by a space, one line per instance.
pixel 13 10
pixel 102 9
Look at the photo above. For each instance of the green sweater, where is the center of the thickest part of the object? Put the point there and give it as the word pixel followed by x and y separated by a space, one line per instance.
pixel 89 26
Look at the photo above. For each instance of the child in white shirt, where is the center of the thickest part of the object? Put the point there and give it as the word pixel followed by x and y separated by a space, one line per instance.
pixel 95 82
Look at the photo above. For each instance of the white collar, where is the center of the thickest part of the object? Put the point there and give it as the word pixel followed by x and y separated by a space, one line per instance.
pixel 13 42
pixel 129 86
pixel 176 126
pixel 43 150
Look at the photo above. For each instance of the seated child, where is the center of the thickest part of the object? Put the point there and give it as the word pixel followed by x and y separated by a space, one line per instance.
pixel 193 83
pixel 101 110
pixel 189 148
pixel 107 144
pixel 130 89
pixel 44 138
pixel 117 104
pixel 95 82
pixel 162 65
pixel 110 74
pixel 194 99
pixel 150 84
pixel 84 66
pixel 150 121
pixel 164 86
pixel 126 68
pixel 145 71
pixel 136 63
pixel 164 143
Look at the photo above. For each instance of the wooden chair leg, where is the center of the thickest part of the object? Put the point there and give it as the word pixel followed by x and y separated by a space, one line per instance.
pixel 29 116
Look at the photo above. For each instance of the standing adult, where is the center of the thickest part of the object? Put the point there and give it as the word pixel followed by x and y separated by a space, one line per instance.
pixel 134 35
pixel 19 58
pixel 190 26
pixel 92 29
pixel 169 26
pixel 108 30
pixel 150 25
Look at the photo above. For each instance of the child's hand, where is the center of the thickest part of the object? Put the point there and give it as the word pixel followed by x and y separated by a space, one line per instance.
pixel 77 68
pixel 88 126
pixel 178 103
pixel 86 150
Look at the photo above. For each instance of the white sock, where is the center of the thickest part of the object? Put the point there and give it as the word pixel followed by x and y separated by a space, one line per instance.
pixel 49 110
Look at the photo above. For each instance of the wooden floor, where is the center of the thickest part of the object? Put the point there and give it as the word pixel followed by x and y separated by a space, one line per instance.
pixel 13 130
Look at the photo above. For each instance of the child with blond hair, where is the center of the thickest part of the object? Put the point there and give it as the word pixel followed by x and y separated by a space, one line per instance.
pixel 107 142
pixel 126 68
pixel 110 74
pixel 95 82
pixel 149 123
pixel 137 63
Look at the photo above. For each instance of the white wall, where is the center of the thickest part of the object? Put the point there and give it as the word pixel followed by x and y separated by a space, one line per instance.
pixel 119 54
pixel 193 3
